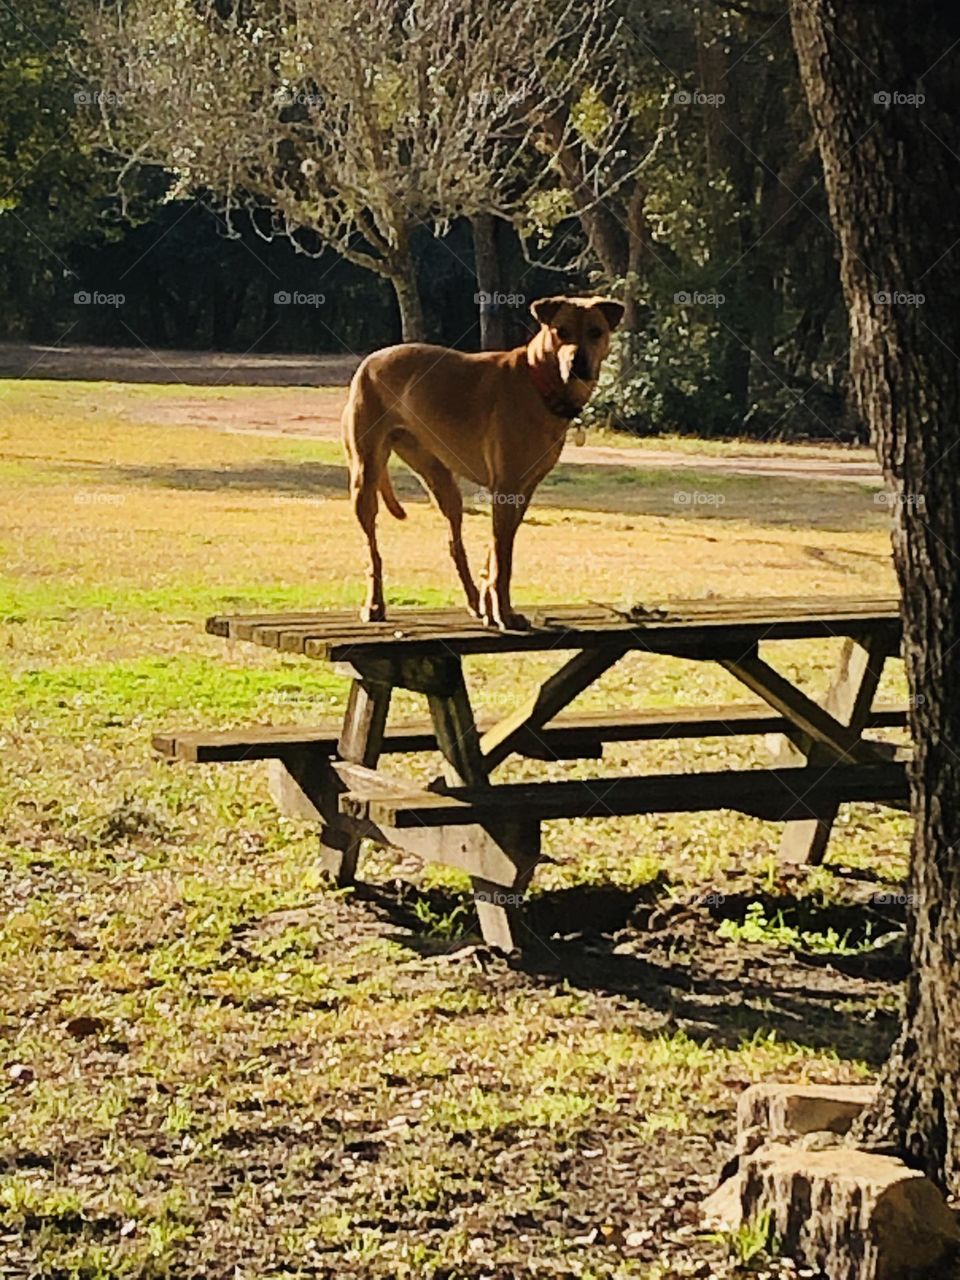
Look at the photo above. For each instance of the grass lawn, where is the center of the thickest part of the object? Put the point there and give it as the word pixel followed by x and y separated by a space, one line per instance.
pixel 214 1066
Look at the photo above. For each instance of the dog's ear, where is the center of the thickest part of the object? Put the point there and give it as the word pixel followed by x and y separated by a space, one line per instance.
pixel 612 311
pixel 544 309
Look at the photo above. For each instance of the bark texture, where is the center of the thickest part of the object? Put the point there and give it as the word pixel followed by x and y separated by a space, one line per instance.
pixel 493 326
pixel 882 78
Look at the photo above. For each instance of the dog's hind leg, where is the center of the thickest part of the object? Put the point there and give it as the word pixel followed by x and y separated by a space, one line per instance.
pixel 368 448
pixel 363 486
pixel 366 468
pixel 443 486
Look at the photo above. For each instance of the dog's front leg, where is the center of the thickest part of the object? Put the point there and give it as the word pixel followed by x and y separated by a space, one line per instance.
pixel 495 607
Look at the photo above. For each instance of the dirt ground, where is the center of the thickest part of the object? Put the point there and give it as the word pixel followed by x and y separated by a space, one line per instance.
pixel 216 1068
pixel 298 395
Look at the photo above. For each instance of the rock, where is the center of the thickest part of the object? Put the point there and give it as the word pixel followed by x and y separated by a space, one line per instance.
pixel 791 1110
pixel 749 1139
pixel 820 1140
pixel 723 1208
pixel 853 1215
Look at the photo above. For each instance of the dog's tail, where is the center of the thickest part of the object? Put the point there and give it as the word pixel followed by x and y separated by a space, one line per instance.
pixel 389 497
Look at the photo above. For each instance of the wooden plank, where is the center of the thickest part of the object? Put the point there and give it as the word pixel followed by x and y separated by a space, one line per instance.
pixel 848 700
pixel 467 846
pixel 557 692
pixel 517 837
pixel 266 742
pixel 776 794
pixel 692 628
pixel 360 742
pixel 689 608
pixel 711 641
pixel 437 674
pixel 838 741
pixel 577 735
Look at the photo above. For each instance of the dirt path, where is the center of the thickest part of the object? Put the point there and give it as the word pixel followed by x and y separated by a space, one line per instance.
pixel 302 395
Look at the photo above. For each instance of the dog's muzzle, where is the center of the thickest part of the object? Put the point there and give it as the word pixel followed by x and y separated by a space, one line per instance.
pixel 580 370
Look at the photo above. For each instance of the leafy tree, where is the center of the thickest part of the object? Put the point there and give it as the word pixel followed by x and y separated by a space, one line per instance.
pixel 50 183
pixel 348 123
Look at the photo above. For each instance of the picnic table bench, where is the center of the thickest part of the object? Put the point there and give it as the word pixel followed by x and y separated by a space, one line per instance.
pixel 491 829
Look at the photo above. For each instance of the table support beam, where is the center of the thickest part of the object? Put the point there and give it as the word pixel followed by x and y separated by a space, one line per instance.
pixel 849 700
pixel 498 905
pixel 546 702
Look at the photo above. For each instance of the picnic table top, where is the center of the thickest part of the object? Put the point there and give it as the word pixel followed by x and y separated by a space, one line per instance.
pixel 706 627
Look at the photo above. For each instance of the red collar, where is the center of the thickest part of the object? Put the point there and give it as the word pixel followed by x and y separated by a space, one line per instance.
pixel 556 400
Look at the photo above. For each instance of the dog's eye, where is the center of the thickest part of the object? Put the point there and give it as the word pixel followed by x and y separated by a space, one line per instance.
pixel 564 334
pixel 594 334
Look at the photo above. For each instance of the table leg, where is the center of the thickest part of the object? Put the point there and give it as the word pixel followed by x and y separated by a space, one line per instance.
pixel 498 906
pixel 361 740
pixel 849 700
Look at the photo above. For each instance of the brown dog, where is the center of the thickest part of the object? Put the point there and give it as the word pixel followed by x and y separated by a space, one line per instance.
pixel 498 418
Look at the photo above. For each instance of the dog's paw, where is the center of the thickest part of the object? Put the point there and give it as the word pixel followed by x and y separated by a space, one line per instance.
pixel 516 622
pixel 510 622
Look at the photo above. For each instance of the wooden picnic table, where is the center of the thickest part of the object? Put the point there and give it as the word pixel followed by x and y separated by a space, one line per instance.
pixel 491 829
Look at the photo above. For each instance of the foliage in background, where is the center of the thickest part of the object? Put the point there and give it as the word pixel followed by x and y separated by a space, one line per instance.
pixel 707 217
pixel 50 182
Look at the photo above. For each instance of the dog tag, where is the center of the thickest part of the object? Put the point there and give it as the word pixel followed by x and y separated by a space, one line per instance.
pixel 579 436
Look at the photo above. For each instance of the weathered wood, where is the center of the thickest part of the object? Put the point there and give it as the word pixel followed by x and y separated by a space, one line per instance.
pixel 361 740
pixel 574 736
pixel 493 832
pixel 546 702
pixel 836 740
pixel 849 700
pixel 467 846
pixel 297 786
pixel 431 674
pixel 498 905
pixel 775 794
pixel 691 628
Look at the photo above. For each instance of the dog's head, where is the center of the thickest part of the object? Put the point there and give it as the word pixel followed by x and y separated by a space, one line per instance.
pixel 577 331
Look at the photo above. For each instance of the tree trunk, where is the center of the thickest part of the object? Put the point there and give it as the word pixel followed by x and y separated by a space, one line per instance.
pixel 891 174
pixel 403 276
pixel 493 327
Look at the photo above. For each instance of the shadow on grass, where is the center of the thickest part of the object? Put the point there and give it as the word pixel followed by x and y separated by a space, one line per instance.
pixel 668 958
pixel 688 494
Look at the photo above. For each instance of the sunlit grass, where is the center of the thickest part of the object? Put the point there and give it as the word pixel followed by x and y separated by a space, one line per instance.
pixel 279 1081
